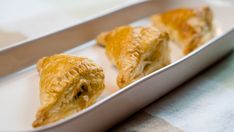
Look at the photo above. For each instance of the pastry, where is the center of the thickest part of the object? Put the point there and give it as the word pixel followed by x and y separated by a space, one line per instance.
pixel 135 51
pixel 188 27
pixel 68 84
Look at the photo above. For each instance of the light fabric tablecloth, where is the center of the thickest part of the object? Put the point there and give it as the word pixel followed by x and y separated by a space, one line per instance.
pixel 204 103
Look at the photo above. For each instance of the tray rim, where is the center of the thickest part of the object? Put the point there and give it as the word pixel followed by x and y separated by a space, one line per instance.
pixel 85 20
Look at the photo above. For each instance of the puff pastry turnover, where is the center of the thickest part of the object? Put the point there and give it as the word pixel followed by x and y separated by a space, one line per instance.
pixel 135 51
pixel 68 84
pixel 187 27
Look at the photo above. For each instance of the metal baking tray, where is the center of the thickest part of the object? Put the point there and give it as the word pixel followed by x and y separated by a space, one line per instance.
pixel 19 82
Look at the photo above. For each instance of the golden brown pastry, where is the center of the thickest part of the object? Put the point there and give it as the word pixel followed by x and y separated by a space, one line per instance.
pixel 187 27
pixel 68 84
pixel 135 51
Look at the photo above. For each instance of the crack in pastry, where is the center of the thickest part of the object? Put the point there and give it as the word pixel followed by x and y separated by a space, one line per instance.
pixel 68 84
pixel 135 51
pixel 189 28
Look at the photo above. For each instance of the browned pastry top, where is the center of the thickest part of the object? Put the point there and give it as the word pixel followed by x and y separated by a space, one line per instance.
pixel 189 27
pixel 67 84
pixel 135 51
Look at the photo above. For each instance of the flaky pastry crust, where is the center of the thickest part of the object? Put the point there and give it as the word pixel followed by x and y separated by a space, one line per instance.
pixel 188 27
pixel 135 51
pixel 68 84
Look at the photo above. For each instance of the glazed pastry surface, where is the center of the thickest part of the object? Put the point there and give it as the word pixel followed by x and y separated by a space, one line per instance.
pixel 135 51
pixel 68 84
pixel 188 27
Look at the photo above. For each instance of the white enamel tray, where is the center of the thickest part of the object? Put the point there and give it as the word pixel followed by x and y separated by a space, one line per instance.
pixel 19 89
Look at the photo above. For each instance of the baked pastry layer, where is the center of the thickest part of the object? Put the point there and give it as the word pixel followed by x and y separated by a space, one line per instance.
pixel 188 27
pixel 68 84
pixel 135 51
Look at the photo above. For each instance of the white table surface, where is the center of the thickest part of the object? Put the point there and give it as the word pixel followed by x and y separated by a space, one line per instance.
pixel 205 103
